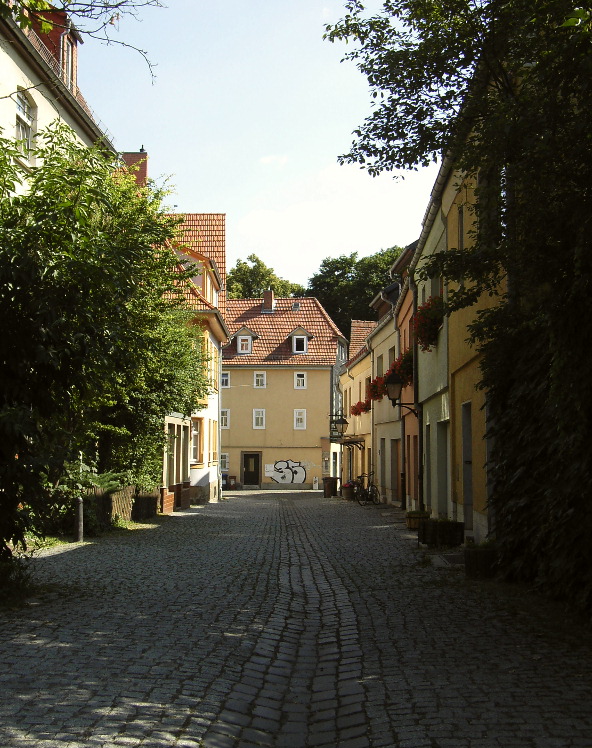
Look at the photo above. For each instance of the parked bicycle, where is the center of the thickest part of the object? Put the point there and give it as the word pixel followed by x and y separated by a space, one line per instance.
pixel 365 491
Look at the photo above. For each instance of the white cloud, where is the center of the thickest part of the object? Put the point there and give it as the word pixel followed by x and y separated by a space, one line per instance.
pixel 339 210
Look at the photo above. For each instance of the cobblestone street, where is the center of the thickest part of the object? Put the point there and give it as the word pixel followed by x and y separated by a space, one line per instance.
pixel 285 620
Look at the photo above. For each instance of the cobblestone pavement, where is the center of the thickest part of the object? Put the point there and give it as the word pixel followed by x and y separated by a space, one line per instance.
pixel 285 620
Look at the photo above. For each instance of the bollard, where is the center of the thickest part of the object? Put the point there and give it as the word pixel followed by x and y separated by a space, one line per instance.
pixel 80 517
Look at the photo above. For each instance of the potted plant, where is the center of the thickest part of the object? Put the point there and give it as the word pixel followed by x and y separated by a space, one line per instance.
pixel 414 517
pixel 441 532
pixel 481 560
pixel 347 490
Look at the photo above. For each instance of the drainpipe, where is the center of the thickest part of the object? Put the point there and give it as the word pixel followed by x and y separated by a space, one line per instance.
pixel 403 450
pixel 416 403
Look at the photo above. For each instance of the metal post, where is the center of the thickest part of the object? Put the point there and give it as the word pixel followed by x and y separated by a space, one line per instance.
pixel 80 518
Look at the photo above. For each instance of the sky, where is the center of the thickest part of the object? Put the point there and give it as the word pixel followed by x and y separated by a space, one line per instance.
pixel 247 113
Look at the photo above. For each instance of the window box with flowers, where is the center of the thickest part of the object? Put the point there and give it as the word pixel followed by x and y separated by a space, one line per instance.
pixel 376 389
pixel 427 322
pixel 364 406
pixel 403 367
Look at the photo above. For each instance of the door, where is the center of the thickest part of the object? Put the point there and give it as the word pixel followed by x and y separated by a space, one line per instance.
pixel 467 466
pixel 251 468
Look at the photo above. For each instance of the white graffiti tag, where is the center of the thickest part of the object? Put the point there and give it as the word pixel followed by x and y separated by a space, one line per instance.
pixel 288 471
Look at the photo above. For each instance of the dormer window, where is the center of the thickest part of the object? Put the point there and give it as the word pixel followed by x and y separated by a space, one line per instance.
pixel 244 344
pixel 299 344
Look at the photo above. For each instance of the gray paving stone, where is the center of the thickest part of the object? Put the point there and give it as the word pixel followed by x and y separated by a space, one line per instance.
pixel 284 621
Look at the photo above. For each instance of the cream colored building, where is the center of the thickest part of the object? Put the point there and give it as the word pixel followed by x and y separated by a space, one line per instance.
pixel 39 84
pixel 278 392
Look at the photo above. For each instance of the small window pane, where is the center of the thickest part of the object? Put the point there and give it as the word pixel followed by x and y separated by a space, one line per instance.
pixel 300 419
pixel 260 379
pixel 225 418
pixel 258 418
pixel 225 379
pixel 300 380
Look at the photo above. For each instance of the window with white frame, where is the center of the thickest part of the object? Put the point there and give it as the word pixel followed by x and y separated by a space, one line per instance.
pixel 258 418
pixel 25 118
pixel 244 344
pixel 300 419
pixel 299 344
pixel 225 418
pixel 300 380
pixel 224 461
pixel 260 379
pixel 197 440
pixel 225 380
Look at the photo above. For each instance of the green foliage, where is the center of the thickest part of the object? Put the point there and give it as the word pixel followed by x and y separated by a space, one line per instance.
pixel 503 88
pixel 346 285
pixel 249 281
pixel 97 347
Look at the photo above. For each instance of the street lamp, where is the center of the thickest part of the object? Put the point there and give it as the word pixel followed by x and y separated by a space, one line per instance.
pixel 394 385
pixel 339 424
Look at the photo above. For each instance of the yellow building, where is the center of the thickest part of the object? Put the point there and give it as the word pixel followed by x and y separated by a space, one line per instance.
pixel 191 464
pixel 279 393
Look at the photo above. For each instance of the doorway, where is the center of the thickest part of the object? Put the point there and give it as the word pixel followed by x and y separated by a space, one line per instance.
pixel 251 468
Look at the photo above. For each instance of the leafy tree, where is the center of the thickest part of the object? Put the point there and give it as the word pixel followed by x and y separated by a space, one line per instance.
pixel 346 285
pixel 503 89
pixel 248 280
pixel 97 345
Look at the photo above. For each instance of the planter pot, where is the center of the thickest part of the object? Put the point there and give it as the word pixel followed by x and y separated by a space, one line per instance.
pixel 436 533
pixel 347 492
pixel 480 561
pixel 414 521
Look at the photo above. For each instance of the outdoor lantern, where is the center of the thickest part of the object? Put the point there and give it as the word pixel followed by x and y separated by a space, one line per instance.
pixel 394 385
pixel 340 425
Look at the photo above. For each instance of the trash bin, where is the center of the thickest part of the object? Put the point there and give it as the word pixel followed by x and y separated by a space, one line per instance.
pixel 329 486
pixel 224 480
pixel 231 481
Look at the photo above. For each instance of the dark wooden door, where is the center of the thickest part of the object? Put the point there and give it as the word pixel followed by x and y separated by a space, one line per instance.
pixel 251 469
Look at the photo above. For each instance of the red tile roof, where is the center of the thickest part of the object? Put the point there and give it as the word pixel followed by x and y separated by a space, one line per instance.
pixel 206 233
pixel 360 329
pixel 273 346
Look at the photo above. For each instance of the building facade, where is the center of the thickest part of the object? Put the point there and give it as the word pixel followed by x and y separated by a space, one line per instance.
pixel 278 393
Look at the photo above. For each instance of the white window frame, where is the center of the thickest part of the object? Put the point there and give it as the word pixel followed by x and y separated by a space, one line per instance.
pixel 300 376
pixel 225 379
pixel 244 344
pixel 300 419
pixel 224 418
pixel 197 440
pixel 304 340
pixel 258 418
pixel 25 120
pixel 224 461
pixel 262 375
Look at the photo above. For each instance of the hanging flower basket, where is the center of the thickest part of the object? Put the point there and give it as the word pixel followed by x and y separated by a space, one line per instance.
pixel 427 322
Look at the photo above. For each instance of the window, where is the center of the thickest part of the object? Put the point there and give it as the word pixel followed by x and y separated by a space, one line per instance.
pixel 258 418
pixel 379 365
pixel 224 461
pixel 243 344
pixel 300 380
pixel 197 440
pixel 299 344
pixel 24 122
pixel 225 382
pixel 260 379
pixel 300 419
pixel 341 351
pixel 461 228
pixel 213 441
pixel 224 418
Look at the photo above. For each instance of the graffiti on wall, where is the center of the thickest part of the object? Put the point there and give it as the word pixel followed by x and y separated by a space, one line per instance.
pixel 288 471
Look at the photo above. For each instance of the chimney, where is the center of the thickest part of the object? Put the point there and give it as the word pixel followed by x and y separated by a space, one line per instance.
pixel 140 161
pixel 268 302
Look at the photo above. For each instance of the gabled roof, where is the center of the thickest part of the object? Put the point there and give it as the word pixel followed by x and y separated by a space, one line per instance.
pixel 205 233
pixel 360 329
pixel 274 344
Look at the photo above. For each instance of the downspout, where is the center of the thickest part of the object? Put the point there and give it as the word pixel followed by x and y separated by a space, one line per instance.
pixel 403 475
pixel 416 403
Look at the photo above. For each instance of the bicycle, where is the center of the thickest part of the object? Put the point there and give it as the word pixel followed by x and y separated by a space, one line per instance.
pixel 366 494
